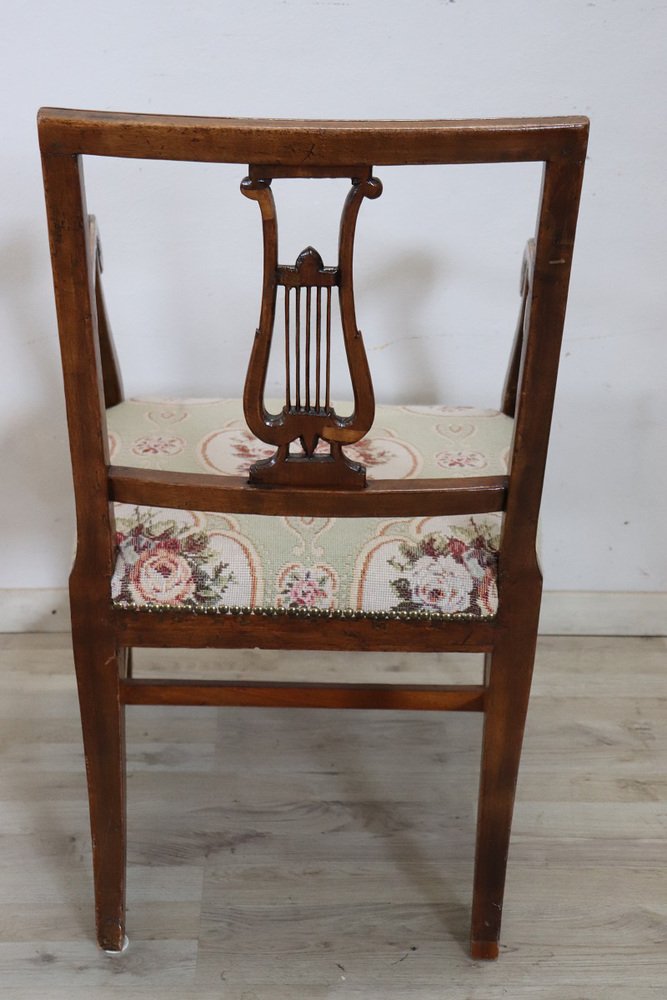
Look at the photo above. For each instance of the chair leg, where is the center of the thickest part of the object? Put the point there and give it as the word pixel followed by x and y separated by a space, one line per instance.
pixel 103 722
pixel 508 674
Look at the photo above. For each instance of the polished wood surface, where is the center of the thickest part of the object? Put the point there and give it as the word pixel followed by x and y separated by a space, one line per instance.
pixel 291 694
pixel 321 144
pixel 292 855
pixel 104 635
pixel 111 377
pixel 287 632
pixel 308 416
pixel 380 498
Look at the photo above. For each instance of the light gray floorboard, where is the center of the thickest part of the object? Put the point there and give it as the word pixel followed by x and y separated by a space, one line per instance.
pixel 294 854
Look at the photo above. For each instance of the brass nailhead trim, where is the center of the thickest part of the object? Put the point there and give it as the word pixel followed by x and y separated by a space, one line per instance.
pixel 349 614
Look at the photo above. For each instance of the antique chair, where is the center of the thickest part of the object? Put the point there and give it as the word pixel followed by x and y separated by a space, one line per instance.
pixel 438 558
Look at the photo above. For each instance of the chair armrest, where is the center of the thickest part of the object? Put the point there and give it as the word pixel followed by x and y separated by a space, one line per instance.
pixel 514 366
pixel 111 377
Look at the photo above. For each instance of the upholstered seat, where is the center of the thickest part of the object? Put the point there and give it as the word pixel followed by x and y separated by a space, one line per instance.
pixel 435 566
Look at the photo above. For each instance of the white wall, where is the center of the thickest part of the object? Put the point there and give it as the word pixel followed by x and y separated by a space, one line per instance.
pixel 438 254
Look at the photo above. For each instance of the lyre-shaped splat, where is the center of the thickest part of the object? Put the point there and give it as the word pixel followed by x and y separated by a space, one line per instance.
pixel 308 416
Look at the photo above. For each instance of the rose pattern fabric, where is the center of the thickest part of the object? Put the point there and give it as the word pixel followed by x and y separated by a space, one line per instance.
pixel 405 442
pixel 161 576
pixel 162 563
pixel 461 460
pixel 439 566
pixel 435 583
pixel 232 450
pixel 306 587
pixel 450 574
pixel 209 562
pixel 158 444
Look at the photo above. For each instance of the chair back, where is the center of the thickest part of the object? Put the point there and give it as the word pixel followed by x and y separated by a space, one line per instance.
pixel 309 473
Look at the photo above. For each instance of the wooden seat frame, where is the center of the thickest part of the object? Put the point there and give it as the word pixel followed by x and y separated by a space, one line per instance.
pixel 104 635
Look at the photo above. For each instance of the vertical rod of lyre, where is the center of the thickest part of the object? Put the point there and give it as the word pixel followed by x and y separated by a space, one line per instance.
pixel 297 351
pixel 327 399
pixel 318 344
pixel 288 388
pixel 308 310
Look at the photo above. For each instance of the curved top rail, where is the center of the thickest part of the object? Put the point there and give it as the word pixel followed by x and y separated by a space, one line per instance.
pixel 284 142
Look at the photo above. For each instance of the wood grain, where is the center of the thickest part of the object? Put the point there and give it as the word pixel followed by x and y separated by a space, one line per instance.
pixel 315 143
pixel 380 498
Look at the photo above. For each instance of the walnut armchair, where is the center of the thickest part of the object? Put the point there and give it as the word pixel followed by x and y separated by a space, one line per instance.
pixel 437 558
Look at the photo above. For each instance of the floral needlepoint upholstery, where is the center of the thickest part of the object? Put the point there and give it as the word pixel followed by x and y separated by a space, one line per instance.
pixel 426 566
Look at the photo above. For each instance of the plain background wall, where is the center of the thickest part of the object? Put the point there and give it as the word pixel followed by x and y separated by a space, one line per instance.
pixel 438 254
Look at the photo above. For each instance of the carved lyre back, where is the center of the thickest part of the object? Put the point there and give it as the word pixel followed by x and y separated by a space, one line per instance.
pixel 307 416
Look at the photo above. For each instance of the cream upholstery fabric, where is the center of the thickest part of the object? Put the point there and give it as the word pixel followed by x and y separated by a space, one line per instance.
pixel 378 566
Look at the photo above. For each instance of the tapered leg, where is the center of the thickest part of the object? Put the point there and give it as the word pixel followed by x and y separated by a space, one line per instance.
pixel 508 675
pixel 97 664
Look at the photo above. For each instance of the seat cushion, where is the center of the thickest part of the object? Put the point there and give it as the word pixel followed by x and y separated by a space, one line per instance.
pixel 379 567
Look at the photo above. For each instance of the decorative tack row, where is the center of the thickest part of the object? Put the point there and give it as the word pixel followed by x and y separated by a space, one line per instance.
pixel 349 614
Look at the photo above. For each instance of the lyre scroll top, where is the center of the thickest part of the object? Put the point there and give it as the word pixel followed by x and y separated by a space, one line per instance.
pixel 308 418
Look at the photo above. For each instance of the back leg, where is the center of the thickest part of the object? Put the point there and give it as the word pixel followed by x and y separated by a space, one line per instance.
pixel 97 662
pixel 508 675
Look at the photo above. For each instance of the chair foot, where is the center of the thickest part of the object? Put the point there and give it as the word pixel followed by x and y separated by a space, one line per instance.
pixel 124 945
pixel 486 950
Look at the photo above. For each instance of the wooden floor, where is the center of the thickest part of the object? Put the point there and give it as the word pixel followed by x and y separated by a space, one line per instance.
pixel 284 854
